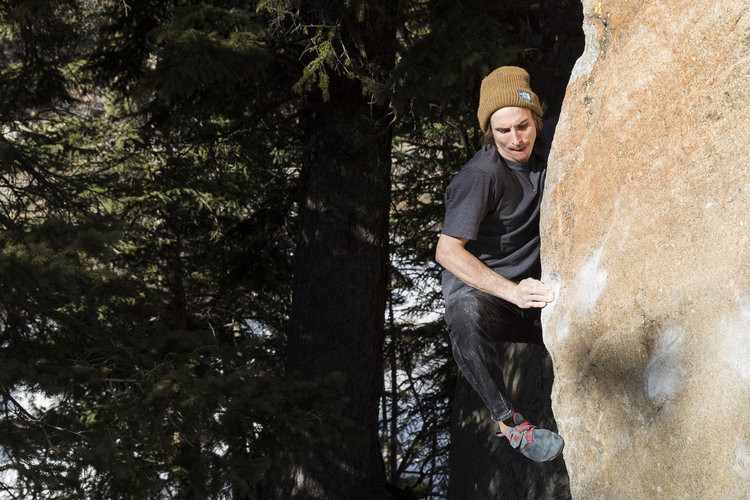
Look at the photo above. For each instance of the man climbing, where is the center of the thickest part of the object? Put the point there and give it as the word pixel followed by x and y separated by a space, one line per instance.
pixel 489 249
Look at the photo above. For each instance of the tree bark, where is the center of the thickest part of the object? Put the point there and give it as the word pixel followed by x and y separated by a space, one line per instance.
pixel 340 280
pixel 340 283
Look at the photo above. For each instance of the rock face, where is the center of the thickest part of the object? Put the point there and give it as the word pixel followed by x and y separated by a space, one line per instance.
pixel 645 229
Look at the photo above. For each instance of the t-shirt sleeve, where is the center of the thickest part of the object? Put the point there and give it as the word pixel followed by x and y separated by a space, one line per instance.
pixel 467 202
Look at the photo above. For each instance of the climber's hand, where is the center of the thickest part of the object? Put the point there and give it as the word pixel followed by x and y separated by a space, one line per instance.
pixel 532 293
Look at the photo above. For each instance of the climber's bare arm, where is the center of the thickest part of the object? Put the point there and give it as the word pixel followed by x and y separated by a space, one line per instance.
pixel 452 255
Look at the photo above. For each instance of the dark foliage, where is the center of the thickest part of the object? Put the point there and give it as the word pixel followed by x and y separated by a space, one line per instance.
pixel 156 162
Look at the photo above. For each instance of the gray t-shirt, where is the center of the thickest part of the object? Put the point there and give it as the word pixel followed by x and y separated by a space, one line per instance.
pixel 495 204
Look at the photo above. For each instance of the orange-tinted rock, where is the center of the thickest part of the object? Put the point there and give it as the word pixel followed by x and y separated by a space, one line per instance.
pixel 645 229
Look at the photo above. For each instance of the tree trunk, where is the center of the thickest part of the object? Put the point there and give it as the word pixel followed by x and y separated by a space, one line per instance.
pixel 341 273
pixel 340 280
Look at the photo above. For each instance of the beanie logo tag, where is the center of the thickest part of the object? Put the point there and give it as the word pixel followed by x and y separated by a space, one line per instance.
pixel 524 96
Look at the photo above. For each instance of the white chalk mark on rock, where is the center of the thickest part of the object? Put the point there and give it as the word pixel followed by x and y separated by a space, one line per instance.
pixel 741 463
pixel 663 374
pixel 591 50
pixel 591 281
pixel 735 331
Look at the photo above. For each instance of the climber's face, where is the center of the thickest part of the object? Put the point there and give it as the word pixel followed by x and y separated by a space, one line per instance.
pixel 514 132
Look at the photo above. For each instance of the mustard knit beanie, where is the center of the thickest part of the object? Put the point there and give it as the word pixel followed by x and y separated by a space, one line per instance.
pixel 506 86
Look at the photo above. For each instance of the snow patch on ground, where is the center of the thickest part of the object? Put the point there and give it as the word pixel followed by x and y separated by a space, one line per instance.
pixel 34 402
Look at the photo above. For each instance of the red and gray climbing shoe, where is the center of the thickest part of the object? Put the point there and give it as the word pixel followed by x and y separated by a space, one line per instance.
pixel 539 445
pixel 517 418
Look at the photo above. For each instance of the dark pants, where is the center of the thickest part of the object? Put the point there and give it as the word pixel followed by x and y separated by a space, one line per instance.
pixel 478 322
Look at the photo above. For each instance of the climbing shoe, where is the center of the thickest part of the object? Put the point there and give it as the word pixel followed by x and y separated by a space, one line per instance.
pixel 517 418
pixel 539 445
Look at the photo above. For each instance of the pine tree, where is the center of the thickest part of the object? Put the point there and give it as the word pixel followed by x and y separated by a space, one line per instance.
pixel 150 169
pixel 342 247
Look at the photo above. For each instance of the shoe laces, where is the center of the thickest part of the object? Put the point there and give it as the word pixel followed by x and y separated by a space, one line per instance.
pixel 524 429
